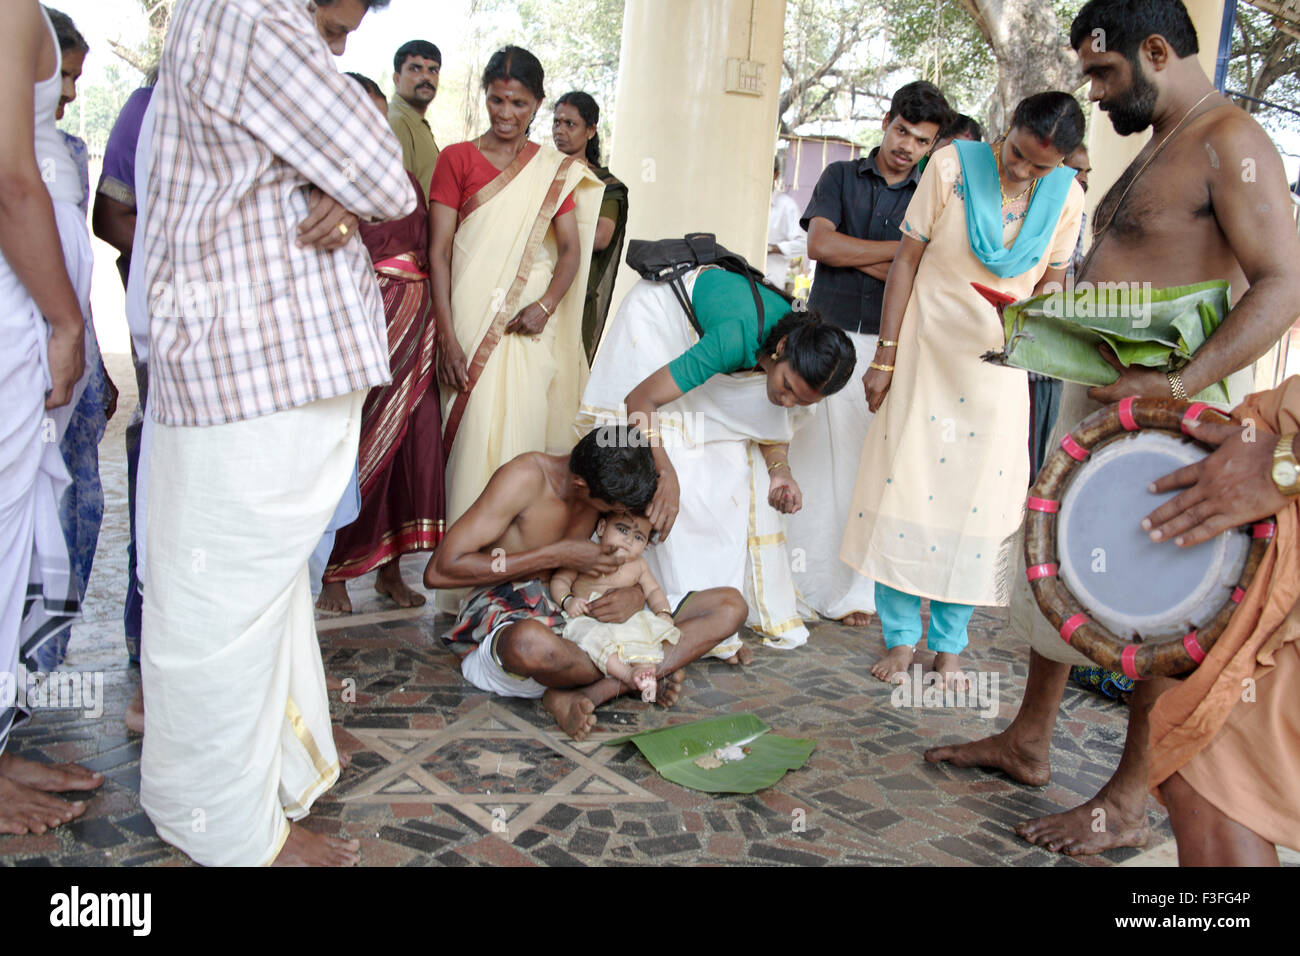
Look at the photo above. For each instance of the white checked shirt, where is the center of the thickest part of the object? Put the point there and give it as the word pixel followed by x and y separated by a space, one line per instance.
pixel 251 111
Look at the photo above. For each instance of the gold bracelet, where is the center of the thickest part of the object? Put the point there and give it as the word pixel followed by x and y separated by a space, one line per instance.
pixel 667 610
pixel 651 434
pixel 1176 387
pixel 883 368
pixel 887 344
pixel 544 308
pixel 778 464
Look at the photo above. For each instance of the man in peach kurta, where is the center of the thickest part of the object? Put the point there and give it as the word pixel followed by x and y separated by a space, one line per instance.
pixel 1225 742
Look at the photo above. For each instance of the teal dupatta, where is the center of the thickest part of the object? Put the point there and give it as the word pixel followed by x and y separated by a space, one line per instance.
pixel 983 198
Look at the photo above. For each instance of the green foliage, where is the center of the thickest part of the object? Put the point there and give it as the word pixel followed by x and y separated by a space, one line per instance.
pixel 940 42
pixel 1265 64
pixel 835 63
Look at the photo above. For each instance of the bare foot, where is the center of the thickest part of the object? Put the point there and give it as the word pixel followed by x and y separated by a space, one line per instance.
pixel 135 713
pixel 1100 824
pixel 52 778
pixel 26 810
pixel 949 667
pixel 572 710
pixel 741 657
pixel 334 598
pixel 856 619
pixel 643 679
pixel 1025 764
pixel 304 848
pixel 669 689
pixel 344 760
pixel 389 583
pixel 892 668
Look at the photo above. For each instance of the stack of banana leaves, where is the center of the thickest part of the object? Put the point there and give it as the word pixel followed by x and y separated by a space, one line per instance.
pixel 1058 333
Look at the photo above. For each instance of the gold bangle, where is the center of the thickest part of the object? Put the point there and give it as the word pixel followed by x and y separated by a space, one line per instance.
pixel 883 368
pixel 666 610
pixel 651 434
pixel 1176 386
pixel 887 344
pixel 544 308
pixel 778 464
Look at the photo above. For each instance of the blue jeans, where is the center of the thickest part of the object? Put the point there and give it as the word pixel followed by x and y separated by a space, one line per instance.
pixel 900 618
pixel 134 604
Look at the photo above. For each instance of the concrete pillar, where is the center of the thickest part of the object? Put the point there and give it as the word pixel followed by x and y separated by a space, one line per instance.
pixel 695 157
pixel 1111 153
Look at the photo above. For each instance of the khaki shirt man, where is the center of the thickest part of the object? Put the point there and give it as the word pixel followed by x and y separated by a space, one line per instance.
pixel 416 69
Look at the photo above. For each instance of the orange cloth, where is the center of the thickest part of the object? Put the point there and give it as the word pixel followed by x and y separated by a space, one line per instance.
pixel 1195 725
pixel 1251 770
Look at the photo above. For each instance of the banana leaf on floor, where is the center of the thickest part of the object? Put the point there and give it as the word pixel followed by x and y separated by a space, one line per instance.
pixel 1058 333
pixel 734 754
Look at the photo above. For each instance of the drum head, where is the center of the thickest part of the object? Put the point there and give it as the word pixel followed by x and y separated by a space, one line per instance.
pixel 1137 588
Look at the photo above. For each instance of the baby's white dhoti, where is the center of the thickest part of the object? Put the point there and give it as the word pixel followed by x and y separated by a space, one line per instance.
pixel 638 640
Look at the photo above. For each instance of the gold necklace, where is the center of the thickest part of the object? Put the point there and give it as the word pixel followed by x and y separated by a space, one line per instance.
pixel 1003 192
pixel 1097 233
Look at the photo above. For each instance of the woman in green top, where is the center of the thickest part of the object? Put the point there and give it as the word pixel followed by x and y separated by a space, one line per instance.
pixel 574 131
pixel 719 407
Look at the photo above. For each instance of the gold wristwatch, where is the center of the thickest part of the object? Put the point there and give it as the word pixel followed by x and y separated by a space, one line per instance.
pixel 1286 470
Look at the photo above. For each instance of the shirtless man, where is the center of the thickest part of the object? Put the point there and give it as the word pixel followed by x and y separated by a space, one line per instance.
pixel 536 515
pixel 1205 199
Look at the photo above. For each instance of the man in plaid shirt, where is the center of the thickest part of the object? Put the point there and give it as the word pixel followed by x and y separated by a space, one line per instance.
pixel 267 330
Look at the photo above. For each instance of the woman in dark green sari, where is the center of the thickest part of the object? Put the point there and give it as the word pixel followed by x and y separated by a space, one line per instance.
pixel 574 132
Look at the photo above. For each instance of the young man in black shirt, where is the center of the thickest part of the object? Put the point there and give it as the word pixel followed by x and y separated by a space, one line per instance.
pixel 853 223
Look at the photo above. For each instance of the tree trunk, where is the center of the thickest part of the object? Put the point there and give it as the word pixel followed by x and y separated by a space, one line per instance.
pixel 1032 53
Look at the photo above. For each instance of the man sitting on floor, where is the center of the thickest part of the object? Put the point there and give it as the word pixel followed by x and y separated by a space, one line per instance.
pixel 537 514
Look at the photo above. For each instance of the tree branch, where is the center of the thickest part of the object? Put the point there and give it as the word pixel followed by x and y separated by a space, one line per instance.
pixel 132 57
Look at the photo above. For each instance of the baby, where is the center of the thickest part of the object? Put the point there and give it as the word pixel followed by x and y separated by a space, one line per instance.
pixel 632 650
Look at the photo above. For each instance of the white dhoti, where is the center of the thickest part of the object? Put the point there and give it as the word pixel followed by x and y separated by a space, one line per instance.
pixel 38 597
pixel 824 458
pixel 726 534
pixel 237 730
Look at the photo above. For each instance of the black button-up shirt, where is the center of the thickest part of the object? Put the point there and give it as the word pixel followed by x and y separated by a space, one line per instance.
pixel 855 197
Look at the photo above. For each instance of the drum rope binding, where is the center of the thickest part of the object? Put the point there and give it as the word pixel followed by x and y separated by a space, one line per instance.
pixel 1138 659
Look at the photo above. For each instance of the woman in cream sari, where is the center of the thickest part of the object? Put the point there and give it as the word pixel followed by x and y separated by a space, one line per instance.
pixel 512 228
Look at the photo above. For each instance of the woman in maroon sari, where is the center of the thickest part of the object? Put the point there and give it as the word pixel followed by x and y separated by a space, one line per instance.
pixel 399 461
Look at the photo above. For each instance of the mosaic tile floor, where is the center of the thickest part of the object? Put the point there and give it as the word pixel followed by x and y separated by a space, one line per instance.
pixel 443 774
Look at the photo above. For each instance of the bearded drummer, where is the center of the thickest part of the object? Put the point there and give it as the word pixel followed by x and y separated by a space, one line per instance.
pixel 1205 199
